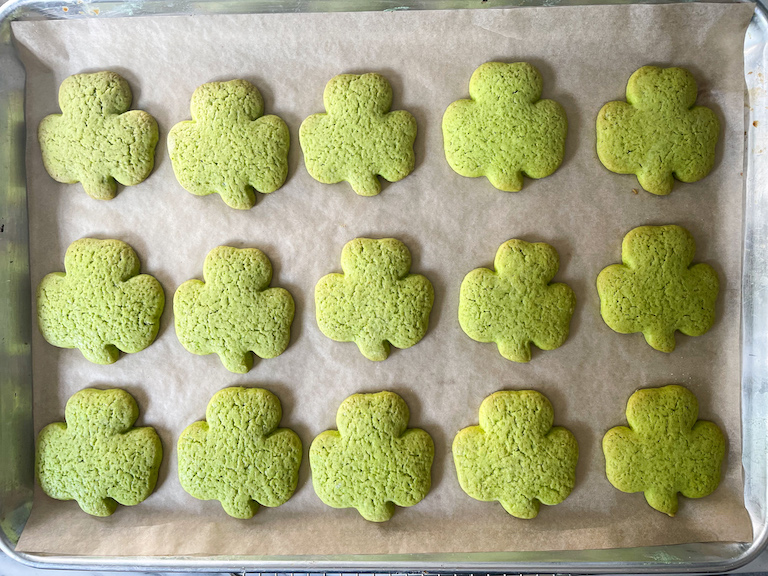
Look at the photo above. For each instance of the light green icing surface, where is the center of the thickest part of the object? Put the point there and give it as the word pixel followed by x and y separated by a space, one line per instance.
pixel 95 140
pixel 234 312
pixel 515 305
pixel 656 290
pixel 238 455
pixel 375 302
pixel 504 131
pixel 229 148
pixel 515 456
pixel 665 450
pixel 658 133
pixel 358 137
pixel 101 304
pixel 374 460
pixel 97 457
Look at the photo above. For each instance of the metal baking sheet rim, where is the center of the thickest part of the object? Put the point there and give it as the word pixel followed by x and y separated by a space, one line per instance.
pixel 15 354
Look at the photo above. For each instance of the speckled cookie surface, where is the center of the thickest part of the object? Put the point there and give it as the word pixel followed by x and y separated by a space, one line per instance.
pixel 658 134
pixel 374 461
pixel 234 312
pixel 515 456
pixel 656 291
pixel 515 305
pixel 238 455
pixel 358 137
pixel 376 301
pixel 504 131
pixel 229 148
pixel 96 140
pixel 97 457
pixel 665 450
pixel 101 304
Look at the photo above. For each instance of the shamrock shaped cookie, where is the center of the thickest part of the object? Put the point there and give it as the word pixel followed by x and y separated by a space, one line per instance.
pixel 658 133
pixel 97 457
pixel 504 131
pixel 375 302
pixel 238 455
pixel 656 290
pixel 515 305
pixel 101 304
pixel 229 148
pixel 234 312
pixel 374 461
pixel 665 450
pixel 96 140
pixel 515 456
pixel 358 137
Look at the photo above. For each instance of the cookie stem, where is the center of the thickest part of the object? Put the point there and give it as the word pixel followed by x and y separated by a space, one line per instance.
pixel 100 188
pixel 97 506
pixel 377 511
pixel 365 184
pixel 374 350
pixel 515 350
pixel 523 508
pixel 662 340
pixel 236 361
pixel 100 354
pixel 662 501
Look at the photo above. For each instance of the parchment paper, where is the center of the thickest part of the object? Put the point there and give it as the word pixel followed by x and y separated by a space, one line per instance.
pixel 451 224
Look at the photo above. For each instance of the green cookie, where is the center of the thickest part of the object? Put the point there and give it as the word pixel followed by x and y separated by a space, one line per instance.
pixel 656 290
pixel 515 456
pixel 504 131
pixel 665 450
pixel 96 141
pixel 658 133
pixel 229 148
pixel 239 456
pixel 516 305
pixel 102 303
pixel 375 301
pixel 97 457
pixel 374 461
pixel 234 313
pixel 358 138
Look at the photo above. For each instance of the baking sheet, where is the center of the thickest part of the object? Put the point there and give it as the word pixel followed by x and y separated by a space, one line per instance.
pixel 451 224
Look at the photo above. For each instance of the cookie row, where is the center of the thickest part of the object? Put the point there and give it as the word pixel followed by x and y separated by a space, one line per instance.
pixel 102 304
pixel 503 132
pixel 240 457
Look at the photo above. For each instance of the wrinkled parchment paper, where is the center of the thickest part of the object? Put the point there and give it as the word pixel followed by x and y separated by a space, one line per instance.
pixel 451 224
